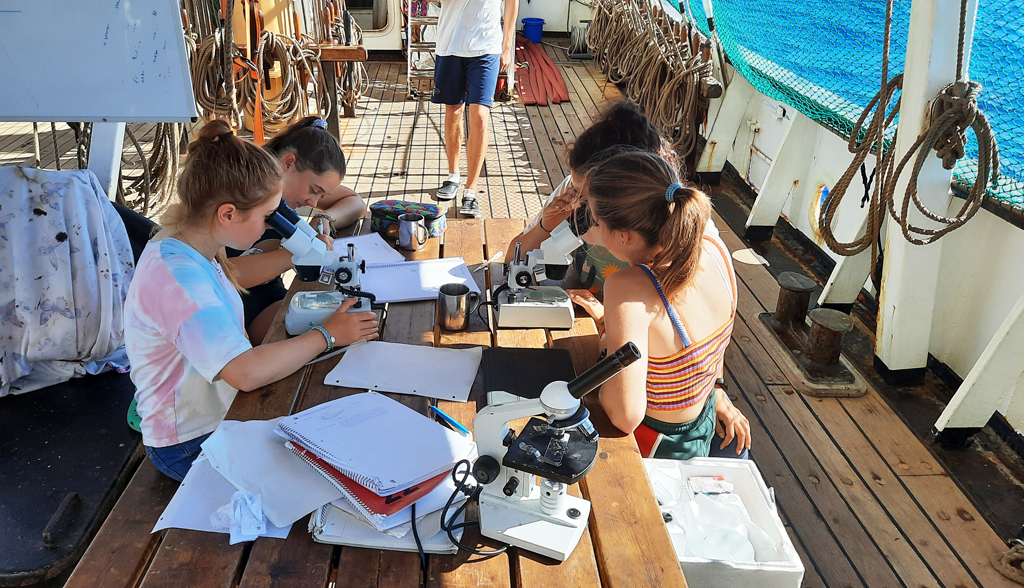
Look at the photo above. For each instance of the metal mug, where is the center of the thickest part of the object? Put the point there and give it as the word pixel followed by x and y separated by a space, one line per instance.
pixel 412 231
pixel 456 303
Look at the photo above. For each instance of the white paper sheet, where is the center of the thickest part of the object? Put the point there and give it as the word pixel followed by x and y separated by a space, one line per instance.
pixel 200 495
pixel 253 458
pixel 409 281
pixel 446 374
pixel 371 248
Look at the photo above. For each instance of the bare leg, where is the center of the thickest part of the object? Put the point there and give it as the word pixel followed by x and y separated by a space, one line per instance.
pixel 261 324
pixel 453 135
pixel 476 145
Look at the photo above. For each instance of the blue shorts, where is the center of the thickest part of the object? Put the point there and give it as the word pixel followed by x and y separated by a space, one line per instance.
pixel 176 460
pixel 465 79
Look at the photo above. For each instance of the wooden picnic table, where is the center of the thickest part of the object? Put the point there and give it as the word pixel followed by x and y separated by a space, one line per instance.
pixel 626 544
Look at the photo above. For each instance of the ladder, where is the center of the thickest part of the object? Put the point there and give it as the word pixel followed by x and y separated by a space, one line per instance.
pixel 420 80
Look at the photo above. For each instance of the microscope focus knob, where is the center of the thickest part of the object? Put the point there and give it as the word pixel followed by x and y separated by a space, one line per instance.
pixel 486 469
pixel 510 486
pixel 343 276
pixel 362 266
pixel 523 279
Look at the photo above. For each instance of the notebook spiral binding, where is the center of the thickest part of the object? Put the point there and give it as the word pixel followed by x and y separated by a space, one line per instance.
pixel 372 483
pixel 310 458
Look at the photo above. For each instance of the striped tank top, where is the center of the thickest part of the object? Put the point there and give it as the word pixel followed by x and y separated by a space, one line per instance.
pixel 686 377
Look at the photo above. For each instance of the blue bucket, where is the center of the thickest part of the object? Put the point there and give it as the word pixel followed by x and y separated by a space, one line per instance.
pixel 532 28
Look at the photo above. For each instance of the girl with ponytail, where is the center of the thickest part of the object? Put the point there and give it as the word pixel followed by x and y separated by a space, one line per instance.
pixel 676 301
pixel 184 330
pixel 312 166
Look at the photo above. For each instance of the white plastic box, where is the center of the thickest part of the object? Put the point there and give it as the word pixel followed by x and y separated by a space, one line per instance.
pixel 786 572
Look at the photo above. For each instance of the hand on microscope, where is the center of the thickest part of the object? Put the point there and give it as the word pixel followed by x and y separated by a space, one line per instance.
pixel 349 327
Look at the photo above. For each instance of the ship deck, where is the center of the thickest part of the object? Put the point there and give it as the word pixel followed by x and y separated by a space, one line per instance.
pixel 866 502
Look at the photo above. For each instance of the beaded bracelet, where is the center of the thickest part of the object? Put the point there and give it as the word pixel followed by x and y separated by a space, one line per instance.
pixel 327 336
pixel 330 221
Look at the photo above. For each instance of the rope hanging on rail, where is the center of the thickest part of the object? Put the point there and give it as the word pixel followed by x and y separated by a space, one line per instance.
pixel 952 113
pixel 636 44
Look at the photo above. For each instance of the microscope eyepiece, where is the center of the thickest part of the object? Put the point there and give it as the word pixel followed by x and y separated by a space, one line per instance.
pixel 604 370
pixel 288 212
pixel 280 224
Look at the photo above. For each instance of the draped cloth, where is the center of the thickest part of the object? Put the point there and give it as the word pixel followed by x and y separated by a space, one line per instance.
pixel 65 266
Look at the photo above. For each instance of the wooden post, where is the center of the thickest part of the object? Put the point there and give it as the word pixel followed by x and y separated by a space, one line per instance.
pixel 794 297
pixel 910 274
pixel 825 343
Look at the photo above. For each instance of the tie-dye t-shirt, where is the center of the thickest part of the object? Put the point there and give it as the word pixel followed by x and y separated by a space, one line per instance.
pixel 183 324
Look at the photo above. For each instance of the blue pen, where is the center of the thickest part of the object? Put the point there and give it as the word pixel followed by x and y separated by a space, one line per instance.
pixel 450 421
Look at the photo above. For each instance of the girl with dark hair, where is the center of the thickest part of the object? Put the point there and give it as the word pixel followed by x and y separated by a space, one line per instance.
pixel 183 324
pixel 676 301
pixel 622 124
pixel 313 167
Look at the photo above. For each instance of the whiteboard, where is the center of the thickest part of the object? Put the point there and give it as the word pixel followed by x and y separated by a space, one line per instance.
pixel 93 61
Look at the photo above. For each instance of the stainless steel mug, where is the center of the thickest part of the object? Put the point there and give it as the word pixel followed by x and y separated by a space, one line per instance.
pixel 412 231
pixel 456 303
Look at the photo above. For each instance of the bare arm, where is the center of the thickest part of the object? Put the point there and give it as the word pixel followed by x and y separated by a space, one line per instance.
pixel 624 397
pixel 265 364
pixel 554 213
pixel 344 206
pixel 509 39
pixel 253 270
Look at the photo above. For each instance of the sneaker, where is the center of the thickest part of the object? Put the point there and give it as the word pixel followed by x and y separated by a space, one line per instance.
pixel 447 191
pixel 470 207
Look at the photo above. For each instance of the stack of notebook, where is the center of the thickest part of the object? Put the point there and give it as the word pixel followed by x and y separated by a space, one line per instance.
pixel 383 457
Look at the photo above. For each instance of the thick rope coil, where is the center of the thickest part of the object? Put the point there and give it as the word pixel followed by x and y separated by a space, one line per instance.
pixel 291 102
pixel 953 112
pixel 639 47
pixel 1009 563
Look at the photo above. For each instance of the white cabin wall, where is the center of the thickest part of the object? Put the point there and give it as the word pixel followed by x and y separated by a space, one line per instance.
pixel 978 283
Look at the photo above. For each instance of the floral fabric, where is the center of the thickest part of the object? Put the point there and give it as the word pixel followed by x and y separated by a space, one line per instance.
pixel 65 267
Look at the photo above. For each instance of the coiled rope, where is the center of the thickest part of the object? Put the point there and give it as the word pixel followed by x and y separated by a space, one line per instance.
pixel 952 113
pixel 1009 563
pixel 636 45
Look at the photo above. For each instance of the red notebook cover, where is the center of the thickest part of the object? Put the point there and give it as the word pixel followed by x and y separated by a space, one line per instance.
pixel 371 501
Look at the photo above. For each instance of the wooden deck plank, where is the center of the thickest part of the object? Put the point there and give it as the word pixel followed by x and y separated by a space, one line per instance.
pixel 889 490
pixel 752 348
pixel 962 526
pixel 807 473
pixel 904 452
pixel 878 522
pixel 813 534
pixel 812 579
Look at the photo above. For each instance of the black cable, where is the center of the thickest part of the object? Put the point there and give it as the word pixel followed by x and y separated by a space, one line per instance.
pixel 353 292
pixel 419 545
pixel 461 486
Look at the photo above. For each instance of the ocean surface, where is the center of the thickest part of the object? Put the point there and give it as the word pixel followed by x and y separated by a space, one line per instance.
pixel 837 46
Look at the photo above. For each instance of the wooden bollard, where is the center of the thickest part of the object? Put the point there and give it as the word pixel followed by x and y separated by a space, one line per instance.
pixel 794 297
pixel 825 342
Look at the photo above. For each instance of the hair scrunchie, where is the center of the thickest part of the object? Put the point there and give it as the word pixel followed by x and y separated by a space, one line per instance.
pixel 670 194
pixel 319 124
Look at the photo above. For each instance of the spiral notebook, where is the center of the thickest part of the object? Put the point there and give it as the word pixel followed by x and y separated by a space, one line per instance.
pixel 378 442
pixel 408 281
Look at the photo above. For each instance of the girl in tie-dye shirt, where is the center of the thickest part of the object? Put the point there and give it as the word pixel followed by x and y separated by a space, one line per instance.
pixel 183 320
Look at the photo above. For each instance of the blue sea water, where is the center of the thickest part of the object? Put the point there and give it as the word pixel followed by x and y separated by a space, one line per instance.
pixel 837 46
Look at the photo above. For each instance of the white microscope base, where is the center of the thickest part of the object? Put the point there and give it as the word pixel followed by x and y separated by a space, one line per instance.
pixel 522 523
pixel 535 315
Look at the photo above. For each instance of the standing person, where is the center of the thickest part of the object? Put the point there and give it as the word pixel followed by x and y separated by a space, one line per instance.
pixel 474 44
pixel 676 302
pixel 183 315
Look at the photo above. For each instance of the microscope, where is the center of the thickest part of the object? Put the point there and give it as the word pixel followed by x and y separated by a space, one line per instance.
pixel 521 302
pixel 560 448
pixel 313 261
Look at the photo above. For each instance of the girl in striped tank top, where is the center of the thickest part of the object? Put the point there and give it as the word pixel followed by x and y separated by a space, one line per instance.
pixel 676 302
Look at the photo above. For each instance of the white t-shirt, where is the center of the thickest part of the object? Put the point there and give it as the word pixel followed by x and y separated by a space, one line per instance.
pixel 182 324
pixel 469 28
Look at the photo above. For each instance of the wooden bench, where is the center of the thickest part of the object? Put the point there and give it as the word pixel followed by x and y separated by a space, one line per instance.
pixel 626 544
